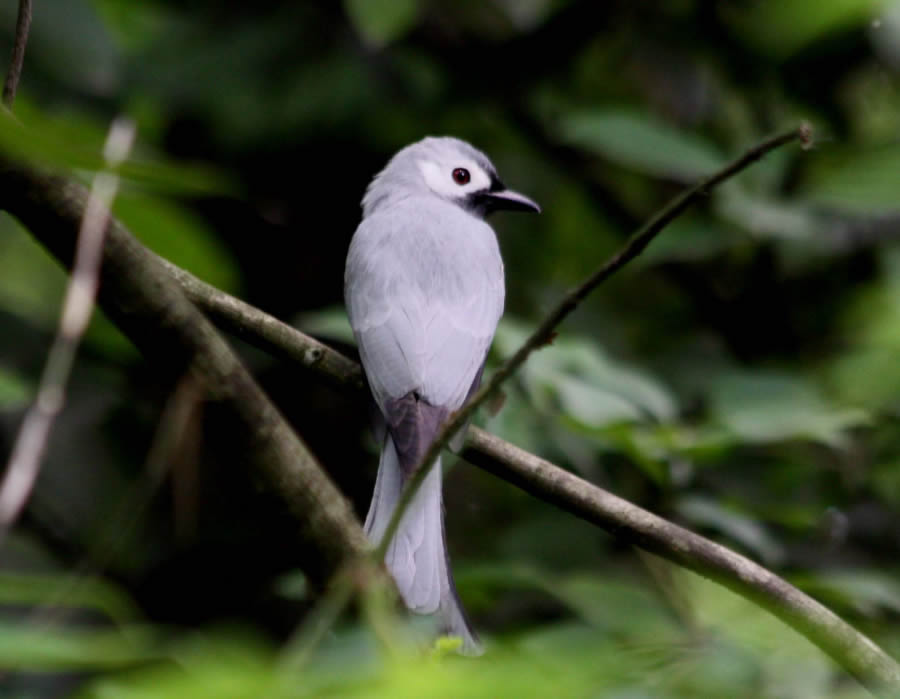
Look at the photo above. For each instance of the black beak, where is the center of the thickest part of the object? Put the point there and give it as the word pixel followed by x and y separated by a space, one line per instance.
pixel 504 200
pixel 508 200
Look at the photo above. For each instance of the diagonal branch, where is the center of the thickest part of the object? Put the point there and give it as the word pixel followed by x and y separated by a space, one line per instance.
pixel 78 305
pixel 852 650
pixel 633 247
pixel 45 203
pixel 147 304
pixel 23 25
pixel 267 333
pixel 855 652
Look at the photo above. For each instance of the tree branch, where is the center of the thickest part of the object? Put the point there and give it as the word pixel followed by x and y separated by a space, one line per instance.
pixel 78 305
pixel 858 654
pixel 267 333
pixel 149 307
pixel 48 205
pixel 852 650
pixel 23 25
pixel 633 247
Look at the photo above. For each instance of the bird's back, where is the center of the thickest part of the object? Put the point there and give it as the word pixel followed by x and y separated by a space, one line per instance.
pixel 424 291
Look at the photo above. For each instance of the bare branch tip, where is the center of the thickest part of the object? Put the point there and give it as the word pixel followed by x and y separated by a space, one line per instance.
pixel 119 141
pixel 806 135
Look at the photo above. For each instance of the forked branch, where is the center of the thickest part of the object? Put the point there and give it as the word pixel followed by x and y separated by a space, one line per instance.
pixel 855 652
pixel 148 305
pixel 78 305
pixel 852 650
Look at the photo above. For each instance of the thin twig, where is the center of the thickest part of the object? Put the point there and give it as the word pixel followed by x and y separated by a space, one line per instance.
pixel 546 481
pixel 46 206
pixel 23 25
pixel 148 305
pixel 858 654
pixel 306 639
pixel 358 577
pixel 174 422
pixel 268 333
pixel 31 442
pixel 545 331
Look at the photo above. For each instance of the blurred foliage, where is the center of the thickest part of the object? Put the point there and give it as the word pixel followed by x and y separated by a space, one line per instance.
pixel 741 377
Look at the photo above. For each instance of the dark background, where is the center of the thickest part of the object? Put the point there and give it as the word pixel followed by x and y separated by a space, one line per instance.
pixel 740 378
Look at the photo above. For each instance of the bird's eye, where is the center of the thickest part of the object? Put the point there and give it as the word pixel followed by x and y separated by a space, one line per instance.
pixel 461 176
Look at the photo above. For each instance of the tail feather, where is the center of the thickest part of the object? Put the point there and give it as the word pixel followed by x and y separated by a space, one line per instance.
pixel 417 557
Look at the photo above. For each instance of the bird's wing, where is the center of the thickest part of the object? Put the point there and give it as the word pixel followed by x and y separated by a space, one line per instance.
pixel 458 336
pixel 423 304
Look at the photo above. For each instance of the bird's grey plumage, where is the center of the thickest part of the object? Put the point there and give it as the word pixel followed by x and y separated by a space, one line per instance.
pixel 424 292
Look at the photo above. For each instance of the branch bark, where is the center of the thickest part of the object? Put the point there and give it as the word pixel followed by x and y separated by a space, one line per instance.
pixel 138 293
pixel 148 305
pixel 23 25
pixel 543 335
pixel 78 305
pixel 855 652
pixel 858 654
pixel 141 296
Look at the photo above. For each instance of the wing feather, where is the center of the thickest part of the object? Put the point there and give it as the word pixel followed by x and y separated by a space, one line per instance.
pixel 424 301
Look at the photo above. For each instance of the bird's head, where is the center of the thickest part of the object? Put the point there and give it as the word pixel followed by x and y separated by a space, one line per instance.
pixel 447 168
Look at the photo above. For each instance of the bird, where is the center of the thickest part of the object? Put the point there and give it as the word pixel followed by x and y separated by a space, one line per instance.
pixel 424 290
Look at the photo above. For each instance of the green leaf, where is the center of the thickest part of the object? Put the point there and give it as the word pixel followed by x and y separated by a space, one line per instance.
pixel 766 217
pixel 68 591
pixel 638 141
pixel 180 236
pixel 380 22
pixel 593 599
pixel 746 531
pixel 690 239
pixel 31 281
pixel 867 371
pixel 766 406
pixel 74 141
pixel 657 448
pixel 31 647
pixel 225 662
pixel 786 664
pixel 859 181
pixel 15 389
pixel 867 592
pixel 599 602
pixel 518 423
pixel 886 482
pixel 593 407
pixel 32 284
pixel 133 25
pixel 330 323
pixel 587 385
pixel 293 586
pixel 785 27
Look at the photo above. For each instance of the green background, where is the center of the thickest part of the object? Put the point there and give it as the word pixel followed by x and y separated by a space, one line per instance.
pixel 740 378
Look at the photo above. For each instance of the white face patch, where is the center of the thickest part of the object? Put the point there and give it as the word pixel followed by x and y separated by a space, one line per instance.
pixel 440 177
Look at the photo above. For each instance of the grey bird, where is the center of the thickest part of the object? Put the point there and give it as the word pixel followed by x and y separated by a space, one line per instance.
pixel 424 291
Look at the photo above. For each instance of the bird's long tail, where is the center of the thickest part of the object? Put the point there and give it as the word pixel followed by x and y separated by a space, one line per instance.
pixel 417 557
